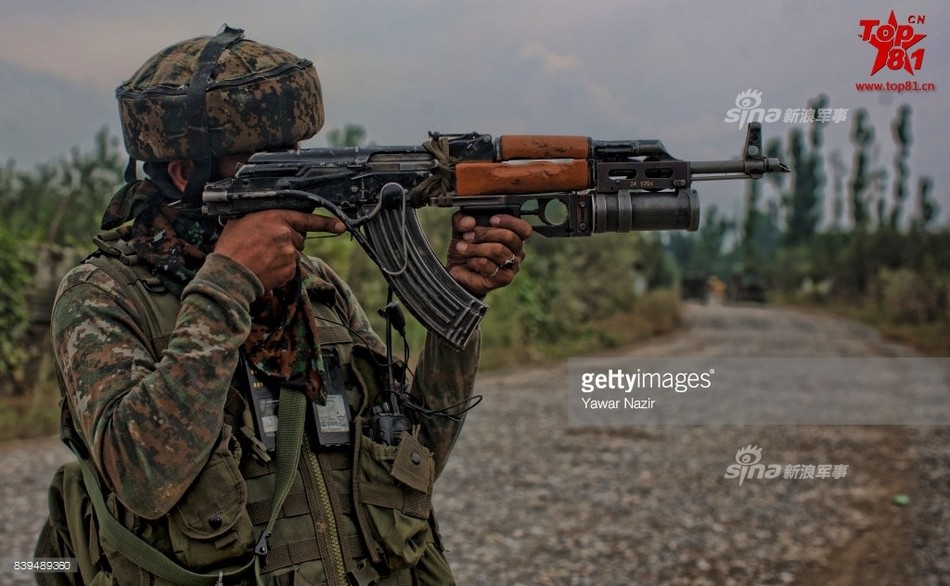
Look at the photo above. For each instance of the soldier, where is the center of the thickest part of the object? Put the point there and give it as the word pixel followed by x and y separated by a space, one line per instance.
pixel 191 355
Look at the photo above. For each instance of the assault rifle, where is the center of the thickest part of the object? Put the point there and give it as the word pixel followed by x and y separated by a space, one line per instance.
pixel 570 185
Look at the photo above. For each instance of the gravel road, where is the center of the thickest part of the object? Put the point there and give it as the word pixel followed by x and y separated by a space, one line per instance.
pixel 527 499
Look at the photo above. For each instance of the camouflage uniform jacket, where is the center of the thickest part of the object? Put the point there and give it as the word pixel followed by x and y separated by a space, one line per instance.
pixel 151 426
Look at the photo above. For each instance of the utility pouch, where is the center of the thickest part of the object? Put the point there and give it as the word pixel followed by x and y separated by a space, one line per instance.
pixel 393 488
pixel 208 530
pixel 210 525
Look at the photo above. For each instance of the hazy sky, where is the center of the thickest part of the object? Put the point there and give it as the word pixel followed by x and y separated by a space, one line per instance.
pixel 607 68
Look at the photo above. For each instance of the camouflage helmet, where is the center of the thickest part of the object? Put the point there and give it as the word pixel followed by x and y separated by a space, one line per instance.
pixel 216 96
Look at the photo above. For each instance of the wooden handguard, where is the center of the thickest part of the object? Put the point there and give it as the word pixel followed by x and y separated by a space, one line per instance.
pixel 539 146
pixel 518 178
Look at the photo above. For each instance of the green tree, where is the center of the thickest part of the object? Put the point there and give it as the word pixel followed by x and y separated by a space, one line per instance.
pixel 927 208
pixel 57 204
pixel 900 129
pixel 838 171
pixel 61 201
pixel 761 233
pixel 351 135
pixel 803 203
pixel 862 137
pixel 705 249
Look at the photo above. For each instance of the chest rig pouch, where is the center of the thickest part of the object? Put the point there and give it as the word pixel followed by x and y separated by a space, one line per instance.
pixel 391 482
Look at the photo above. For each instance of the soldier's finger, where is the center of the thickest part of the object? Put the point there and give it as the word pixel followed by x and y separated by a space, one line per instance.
pixel 303 222
pixel 508 222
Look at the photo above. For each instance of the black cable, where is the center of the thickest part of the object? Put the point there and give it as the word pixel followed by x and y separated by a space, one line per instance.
pixel 453 412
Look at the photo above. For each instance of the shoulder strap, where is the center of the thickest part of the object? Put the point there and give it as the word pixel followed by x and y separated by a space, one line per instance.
pixel 291 416
pixel 157 307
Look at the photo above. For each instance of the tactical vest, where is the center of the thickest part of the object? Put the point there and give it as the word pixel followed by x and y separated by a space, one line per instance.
pixel 335 523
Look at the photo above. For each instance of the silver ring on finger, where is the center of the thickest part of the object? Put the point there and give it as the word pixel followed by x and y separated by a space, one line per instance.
pixel 495 272
pixel 508 264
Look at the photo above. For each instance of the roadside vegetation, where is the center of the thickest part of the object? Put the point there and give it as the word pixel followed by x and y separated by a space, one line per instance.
pixel 858 239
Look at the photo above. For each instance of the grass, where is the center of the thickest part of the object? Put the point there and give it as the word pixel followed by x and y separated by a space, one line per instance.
pixel 930 339
pixel 33 414
pixel 655 314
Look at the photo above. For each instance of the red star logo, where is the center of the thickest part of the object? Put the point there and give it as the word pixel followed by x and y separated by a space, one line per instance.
pixel 886 46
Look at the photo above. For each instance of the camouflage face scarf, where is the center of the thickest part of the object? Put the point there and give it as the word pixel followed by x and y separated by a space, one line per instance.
pixel 282 342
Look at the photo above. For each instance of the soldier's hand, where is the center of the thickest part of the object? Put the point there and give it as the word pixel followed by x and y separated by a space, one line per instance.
pixel 483 258
pixel 269 243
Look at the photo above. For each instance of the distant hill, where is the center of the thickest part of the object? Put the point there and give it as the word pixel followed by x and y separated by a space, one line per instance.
pixel 42 116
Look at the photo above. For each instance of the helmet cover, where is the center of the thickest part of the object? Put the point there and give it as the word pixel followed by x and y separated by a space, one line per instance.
pixel 258 98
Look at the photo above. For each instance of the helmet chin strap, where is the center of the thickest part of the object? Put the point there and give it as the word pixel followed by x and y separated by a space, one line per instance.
pixel 196 111
pixel 131 170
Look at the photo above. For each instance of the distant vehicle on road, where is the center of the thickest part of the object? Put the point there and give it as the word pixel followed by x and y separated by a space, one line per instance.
pixel 695 285
pixel 747 285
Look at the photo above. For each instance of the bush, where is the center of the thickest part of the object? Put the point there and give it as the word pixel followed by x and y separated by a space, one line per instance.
pixel 13 307
pixel 906 296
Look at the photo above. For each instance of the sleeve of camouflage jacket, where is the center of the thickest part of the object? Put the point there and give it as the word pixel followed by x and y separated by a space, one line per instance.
pixel 444 377
pixel 151 426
